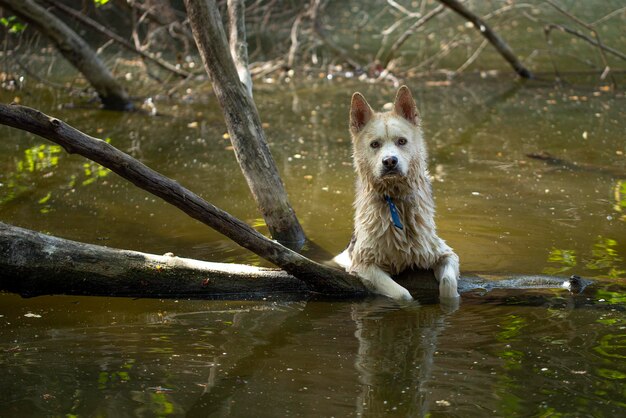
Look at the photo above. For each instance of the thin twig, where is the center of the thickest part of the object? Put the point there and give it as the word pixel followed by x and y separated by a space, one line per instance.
pixel 596 35
pixel 472 58
pixel 584 37
pixel 407 34
pixel 610 15
pixel 293 48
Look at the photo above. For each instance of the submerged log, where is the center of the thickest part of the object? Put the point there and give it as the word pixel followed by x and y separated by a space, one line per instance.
pixel 616 172
pixel 32 264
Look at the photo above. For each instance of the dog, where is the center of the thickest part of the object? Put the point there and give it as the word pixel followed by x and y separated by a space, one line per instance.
pixel 394 225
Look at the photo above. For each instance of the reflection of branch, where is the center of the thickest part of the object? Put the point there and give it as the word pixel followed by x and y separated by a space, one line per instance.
pixel 499 44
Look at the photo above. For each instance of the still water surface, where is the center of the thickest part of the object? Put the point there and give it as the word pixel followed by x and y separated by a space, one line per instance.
pixel 505 354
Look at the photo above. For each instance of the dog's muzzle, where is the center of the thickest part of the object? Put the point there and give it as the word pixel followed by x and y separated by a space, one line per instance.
pixel 390 167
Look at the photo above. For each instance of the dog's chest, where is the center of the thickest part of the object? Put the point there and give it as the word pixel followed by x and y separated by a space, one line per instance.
pixel 378 241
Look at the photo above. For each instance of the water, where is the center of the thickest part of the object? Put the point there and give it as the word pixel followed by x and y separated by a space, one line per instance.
pixel 503 354
pixel 121 357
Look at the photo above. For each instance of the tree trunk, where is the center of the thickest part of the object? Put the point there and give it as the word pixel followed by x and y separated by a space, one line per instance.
pixel 320 278
pixel 501 46
pixel 243 123
pixel 32 264
pixel 75 50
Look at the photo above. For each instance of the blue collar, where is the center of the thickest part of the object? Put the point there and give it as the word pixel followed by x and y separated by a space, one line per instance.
pixel 395 216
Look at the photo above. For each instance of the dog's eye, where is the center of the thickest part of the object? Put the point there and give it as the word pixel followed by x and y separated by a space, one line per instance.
pixel 402 141
pixel 375 144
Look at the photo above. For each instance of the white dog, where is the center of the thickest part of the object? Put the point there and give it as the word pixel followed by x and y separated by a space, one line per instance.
pixel 394 226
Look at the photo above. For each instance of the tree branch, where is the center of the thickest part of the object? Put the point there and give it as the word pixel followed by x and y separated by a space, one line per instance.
pixel 406 35
pixel 238 43
pixel 316 5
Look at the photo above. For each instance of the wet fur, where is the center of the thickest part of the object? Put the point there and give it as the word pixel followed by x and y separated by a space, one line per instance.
pixel 378 249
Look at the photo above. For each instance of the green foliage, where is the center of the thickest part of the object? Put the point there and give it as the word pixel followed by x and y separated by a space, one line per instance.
pixel 565 260
pixel 511 328
pixel 99 3
pixel 161 405
pixel 612 346
pixel 604 259
pixel 39 163
pixel 12 24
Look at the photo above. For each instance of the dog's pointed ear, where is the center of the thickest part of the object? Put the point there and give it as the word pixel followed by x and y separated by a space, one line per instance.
pixel 360 113
pixel 404 105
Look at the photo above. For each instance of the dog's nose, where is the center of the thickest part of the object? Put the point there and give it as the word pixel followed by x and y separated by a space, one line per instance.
pixel 390 162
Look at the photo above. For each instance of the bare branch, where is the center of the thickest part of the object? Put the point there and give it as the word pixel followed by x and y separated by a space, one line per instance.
pixel 407 34
pixel 115 37
pixel 472 58
pixel 316 6
pixel 584 37
pixel 238 43
pixel 501 46
pixel 75 50
pixel 596 35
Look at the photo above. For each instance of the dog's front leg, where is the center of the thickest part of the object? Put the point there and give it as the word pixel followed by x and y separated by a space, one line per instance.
pixel 447 273
pixel 376 280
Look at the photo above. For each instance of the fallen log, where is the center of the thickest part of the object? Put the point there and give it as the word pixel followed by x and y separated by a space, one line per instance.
pixel 33 264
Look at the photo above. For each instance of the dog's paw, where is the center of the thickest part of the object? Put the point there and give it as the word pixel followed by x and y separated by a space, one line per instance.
pixel 400 293
pixel 448 287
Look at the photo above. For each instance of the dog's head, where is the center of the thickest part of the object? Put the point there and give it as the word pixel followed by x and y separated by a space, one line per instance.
pixel 388 146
